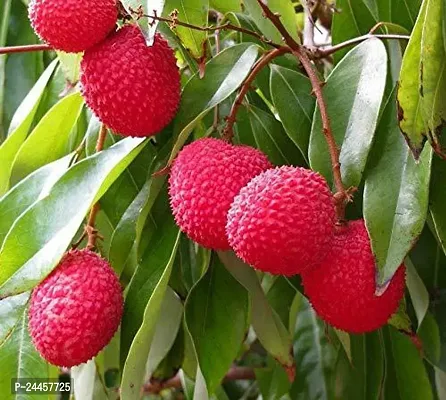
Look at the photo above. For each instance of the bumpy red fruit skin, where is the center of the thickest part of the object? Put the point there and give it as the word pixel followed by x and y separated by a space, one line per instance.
pixel 132 88
pixel 73 25
pixel 283 221
pixel 342 288
pixel 205 178
pixel 76 310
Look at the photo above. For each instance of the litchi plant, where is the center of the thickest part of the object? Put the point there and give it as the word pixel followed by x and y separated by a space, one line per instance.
pixel 204 200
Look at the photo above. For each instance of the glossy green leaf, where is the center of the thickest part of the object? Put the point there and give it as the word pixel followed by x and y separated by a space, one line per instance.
pixel 286 11
pixel 353 93
pixel 30 190
pixel 134 366
pixel 353 19
pixel 267 325
pixel 193 12
pixel 11 310
pixel 313 354
pixel 19 359
pixel 166 330
pixel 32 249
pixel 224 74
pixel 437 199
pixel 20 125
pixel 50 138
pixel 216 315
pixel 291 95
pixel 395 195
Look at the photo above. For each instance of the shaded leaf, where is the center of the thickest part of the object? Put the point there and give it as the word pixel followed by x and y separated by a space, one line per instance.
pixel 437 199
pixel 273 381
pixel 417 291
pixel 353 94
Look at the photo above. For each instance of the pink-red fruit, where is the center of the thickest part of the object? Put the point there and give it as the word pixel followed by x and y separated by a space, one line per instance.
pixel 73 25
pixel 76 310
pixel 205 177
pixel 132 88
pixel 342 288
pixel 283 221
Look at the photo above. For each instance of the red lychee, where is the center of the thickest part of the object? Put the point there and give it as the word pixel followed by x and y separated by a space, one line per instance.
pixel 205 177
pixel 72 25
pixel 76 310
pixel 342 288
pixel 132 88
pixel 283 221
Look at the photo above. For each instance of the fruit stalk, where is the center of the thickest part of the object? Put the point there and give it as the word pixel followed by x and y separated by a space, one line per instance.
pixel 25 48
pixel 263 61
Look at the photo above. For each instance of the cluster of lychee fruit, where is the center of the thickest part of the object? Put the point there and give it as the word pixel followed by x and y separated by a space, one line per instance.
pixel 134 89
pixel 283 221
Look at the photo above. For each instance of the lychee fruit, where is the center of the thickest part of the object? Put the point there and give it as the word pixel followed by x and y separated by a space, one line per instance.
pixel 342 288
pixel 282 221
pixel 73 25
pixel 204 179
pixel 76 310
pixel 132 88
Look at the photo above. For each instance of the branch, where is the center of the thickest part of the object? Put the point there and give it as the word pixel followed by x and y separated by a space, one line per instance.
pixel 90 229
pixel 228 132
pixel 25 48
pixel 321 53
pixel 234 374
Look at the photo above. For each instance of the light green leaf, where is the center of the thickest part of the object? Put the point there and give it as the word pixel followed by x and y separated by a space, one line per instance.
pixel 267 325
pixel 417 291
pixel 395 195
pixel 291 95
pixel 20 124
pixel 353 93
pixel 50 138
pixel 226 6
pixel 134 366
pixel 224 74
pixel 32 189
pixel 193 12
pixel 71 65
pixel 11 310
pixel 284 8
pixel 32 249
pixel 216 315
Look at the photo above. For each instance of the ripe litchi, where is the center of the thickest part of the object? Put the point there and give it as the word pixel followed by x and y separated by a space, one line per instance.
pixel 283 221
pixel 342 288
pixel 73 25
pixel 205 177
pixel 76 310
pixel 132 88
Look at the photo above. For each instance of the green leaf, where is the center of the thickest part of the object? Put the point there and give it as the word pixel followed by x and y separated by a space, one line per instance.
pixel 273 381
pixel 291 95
pixel 226 6
pixel 353 19
pixel 417 291
pixel 20 125
pixel 50 138
pixel 152 286
pixel 284 8
pixel 395 195
pixel 313 354
pixel 11 310
pixel 19 359
pixel 411 375
pixel 437 199
pixel 71 65
pixel 166 330
pixel 216 315
pixel 87 382
pixel 401 12
pixel 32 249
pixel 353 94
pixel 281 295
pixel 32 189
pixel 5 11
pixel 267 325
pixel 224 74
pixel 193 12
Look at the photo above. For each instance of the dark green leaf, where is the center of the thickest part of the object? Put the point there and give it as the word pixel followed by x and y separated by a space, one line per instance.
pixel 273 380
pixel 395 196
pixel 216 315
pixel 291 94
pixel 353 94
pixel 437 199
pixel 281 295
pixel 401 12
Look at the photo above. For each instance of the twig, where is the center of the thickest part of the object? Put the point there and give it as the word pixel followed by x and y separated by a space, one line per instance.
pixel 342 196
pixel 90 229
pixel 321 53
pixel 25 48
pixel 228 132
pixel 234 374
